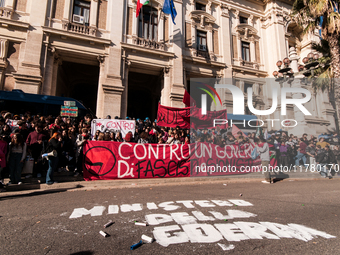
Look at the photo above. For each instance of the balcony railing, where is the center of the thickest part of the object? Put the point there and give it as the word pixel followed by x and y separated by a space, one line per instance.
pixel 151 44
pixel 6 12
pixel 203 54
pixel 80 28
pixel 250 64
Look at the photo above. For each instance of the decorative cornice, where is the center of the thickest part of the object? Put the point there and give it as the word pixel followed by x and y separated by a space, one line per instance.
pixel 14 23
pixel 202 17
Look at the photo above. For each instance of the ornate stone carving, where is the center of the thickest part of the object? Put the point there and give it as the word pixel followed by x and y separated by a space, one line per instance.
pixel 101 59
pixel 225 10
pixel 246 32
pixel 3 50
pixel 202 17
pixel 250 20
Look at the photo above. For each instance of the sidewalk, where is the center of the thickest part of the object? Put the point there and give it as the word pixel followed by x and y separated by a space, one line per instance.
pixel 66 181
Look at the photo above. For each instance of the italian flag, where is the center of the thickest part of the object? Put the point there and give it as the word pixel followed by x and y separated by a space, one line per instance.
pixel 140 3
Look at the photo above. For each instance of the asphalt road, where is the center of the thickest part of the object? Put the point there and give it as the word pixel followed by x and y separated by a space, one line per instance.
pixel 55 223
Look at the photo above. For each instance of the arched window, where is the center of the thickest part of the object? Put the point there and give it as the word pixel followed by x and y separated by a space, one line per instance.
pixel 148 23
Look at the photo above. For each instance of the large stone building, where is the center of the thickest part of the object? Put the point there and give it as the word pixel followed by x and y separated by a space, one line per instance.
pixel 98 52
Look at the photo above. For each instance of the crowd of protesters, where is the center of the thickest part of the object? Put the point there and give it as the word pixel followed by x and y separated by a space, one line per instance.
pixel 37 136
pixel 315 154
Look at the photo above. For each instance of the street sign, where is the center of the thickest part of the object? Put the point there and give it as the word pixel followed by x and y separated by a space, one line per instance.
pixel 69 103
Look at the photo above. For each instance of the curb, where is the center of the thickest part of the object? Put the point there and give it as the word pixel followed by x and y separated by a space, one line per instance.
pixel 132 183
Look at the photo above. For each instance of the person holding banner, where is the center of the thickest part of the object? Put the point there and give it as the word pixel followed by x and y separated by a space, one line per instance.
pixel 263 149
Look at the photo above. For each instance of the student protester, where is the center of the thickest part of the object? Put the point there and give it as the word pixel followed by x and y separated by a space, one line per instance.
pixel 35 142
pixel 336 153
pixel 284 153
pixel 119 137
pixel 334 140
pixel 143 138
pixel 54 144
pixel 263 149
pixel 323 158
pixel 301 153
pixel 81 139
pixel 322 142
pixel 3 153
pixel 310 153
pixel 16 158
pixel 128 137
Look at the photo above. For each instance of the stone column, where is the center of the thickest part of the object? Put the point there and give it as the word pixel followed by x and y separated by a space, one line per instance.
pixel 56 63
pixel 100 93
pixel 28 77
pixel 177 88
pixel 210 40
pixel 125 102
pixel 48 73
pixel 3 60
pixel 67 10
pixel 165 93
pixel 93 16
pixel 110 87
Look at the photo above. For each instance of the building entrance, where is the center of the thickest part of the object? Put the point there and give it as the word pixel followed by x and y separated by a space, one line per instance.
pixel 144 92
pixel 80 82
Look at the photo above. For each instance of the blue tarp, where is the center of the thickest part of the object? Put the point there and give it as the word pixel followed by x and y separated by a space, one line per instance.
pixel 241 117
pixel 18 95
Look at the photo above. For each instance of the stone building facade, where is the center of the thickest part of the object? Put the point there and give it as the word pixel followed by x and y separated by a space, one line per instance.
pixel 99 52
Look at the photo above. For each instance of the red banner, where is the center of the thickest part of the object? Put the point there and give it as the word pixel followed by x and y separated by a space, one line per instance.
pixel 113 160
pixel 172 117
pixel 188 117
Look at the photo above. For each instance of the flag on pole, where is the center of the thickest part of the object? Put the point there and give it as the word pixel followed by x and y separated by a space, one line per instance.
pixel 140 3
pixel 188 100
pixel 169 8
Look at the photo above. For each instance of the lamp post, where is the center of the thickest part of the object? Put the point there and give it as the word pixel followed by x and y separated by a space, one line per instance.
pixel 290 71
pixel 310 64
